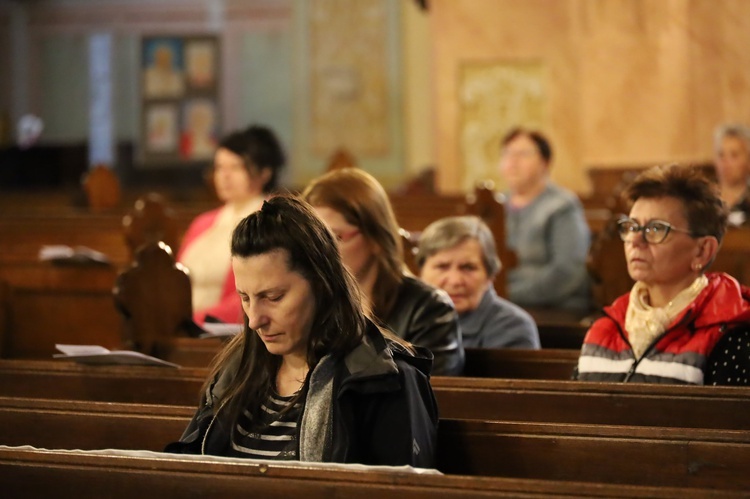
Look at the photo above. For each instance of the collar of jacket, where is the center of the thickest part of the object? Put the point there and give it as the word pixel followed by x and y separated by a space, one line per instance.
pixel 723 300
pixel 369 368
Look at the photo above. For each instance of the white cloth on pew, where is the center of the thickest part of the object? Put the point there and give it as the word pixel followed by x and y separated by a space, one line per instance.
pixel 145 454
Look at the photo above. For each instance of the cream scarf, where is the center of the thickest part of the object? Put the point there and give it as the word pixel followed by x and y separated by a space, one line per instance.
pixel 644 323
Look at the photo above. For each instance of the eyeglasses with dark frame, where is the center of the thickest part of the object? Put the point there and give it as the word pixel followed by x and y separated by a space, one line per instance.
pixel 654 232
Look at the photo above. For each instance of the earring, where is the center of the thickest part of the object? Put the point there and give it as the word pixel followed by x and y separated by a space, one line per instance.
pixel 697 266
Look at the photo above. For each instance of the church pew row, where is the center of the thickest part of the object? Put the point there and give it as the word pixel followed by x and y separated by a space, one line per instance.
pixel 42 474
pixel 458 398
pixel 23 234
pixel 547 363
pixel 47 304
pixel 50 304
pixel 669 457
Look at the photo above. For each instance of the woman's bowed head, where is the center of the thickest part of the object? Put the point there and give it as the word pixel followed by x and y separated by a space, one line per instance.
pixel 674 324
pixel 310 377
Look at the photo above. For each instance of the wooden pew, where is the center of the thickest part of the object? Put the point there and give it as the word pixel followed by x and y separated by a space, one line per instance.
pixel 608 454
pixel 4 316
pixel 458 398
pixel 64 380
pixel 734 255
pixel 81 475
pixel 47 304
pixel 593 403
pixel 24 229
pixel 547 363
pixel 51 303
pixel 190 352
pixel 151 220
pixel 414 212
pixel 668 457
pixel 561 346
pixel 154 297
pixel 524 364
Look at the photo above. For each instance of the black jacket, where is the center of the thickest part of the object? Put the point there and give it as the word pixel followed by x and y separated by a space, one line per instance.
pixel 425 316
pixel 375 406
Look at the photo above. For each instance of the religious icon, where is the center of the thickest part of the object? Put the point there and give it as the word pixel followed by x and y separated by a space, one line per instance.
pixel 163 68
pixel 179 99
pixel 161 128
pixel 198 137
pixel 200 63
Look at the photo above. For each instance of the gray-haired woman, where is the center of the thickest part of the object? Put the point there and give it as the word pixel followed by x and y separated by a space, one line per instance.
pixel 458 255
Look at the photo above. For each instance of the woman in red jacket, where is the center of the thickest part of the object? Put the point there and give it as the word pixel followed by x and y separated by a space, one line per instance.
pixel 678 324
pixel 246 169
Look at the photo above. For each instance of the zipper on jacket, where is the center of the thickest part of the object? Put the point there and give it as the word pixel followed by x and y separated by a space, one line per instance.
pixel 208 430
pixel 652 345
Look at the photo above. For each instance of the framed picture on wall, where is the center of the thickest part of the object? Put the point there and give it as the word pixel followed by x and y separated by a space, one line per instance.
pixel 198 137
pixel 161 129
pixel 179 99
pixel 200 64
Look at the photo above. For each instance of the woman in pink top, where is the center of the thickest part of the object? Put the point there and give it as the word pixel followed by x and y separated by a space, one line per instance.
pixel 245 170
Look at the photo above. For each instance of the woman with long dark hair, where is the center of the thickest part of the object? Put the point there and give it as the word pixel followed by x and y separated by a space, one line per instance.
pixel 310 378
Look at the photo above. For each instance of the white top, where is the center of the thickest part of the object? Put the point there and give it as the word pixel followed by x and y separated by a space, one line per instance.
pixel 209 257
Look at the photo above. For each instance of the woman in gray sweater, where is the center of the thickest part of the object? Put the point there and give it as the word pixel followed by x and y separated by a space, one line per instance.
pixel 545 226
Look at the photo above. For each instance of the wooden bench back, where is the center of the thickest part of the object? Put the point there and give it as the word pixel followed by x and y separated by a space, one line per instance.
pixel 668 457
pixel 154 297
pixel 48 304
pixel 60 474
pixel 734 255
pixel 102 188
pixel 607 454
pixel 458 398
pixel 524 364
pixel 4 317
pixel 149 221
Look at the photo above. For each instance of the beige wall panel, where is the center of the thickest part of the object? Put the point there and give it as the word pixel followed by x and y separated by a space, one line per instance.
pixel 630 82
pixel 496 30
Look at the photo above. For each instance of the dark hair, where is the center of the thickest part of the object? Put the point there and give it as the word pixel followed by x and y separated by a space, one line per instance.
pixel 363 202
pixel 288 224
pixel 449 232
pixel 705 212
pixel 542 144
pixel 259 148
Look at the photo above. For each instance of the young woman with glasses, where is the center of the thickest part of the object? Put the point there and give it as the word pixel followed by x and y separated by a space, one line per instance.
pixel 357 210
pixel 678 324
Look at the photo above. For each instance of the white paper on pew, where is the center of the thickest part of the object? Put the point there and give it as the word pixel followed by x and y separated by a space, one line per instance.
pixel 145 454
pixel 220 329
pixel 60 253
pixel 95 354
